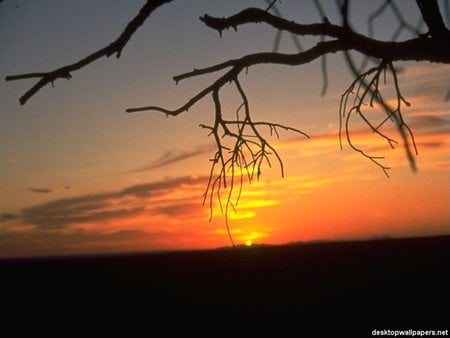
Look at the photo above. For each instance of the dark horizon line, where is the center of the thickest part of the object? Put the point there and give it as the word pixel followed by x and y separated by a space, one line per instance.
pixel 240 247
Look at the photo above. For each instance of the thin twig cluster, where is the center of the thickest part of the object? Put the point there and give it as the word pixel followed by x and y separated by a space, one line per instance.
pixel 361 95
pixel 241 153
pixel 242 150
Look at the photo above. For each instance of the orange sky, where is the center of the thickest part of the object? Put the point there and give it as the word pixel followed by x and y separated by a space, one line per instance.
pixel 81 176
pixel 327 193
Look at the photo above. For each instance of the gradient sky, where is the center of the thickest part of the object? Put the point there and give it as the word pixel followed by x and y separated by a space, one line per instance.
pixel 79 175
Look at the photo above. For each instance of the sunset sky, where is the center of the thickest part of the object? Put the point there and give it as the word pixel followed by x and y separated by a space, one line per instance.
pixel 80 175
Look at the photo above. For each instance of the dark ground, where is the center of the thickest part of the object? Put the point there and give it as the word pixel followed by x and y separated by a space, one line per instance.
pixel 330 289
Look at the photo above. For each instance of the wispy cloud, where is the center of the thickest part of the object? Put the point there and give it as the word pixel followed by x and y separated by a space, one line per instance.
pixel 40 190
pixel 171 157
pixel 431 135
pixel 426 80
pixel 5 217
pixel 57 243
pixel 430 123
pixel 147 210
pixel 179 210
pixel 100 208
pixel 150 198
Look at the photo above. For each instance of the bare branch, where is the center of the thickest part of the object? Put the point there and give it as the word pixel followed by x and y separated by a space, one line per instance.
pixel 418 49
pixel 271 5
pixel 241 152
pixel 115 47
pixel 230 75
pixel 279 33
pixel 402 22
pixel 241 149
pixel 256 15
pixel 433 18
pixel 365 89
pixel 237 66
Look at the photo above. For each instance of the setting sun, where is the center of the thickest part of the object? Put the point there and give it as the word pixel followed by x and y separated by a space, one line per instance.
pixel 248 242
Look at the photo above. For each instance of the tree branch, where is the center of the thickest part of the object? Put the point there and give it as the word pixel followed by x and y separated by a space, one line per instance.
pixel 433 18
pixel 321 48
pixel 364 94
pixel 418 49
pixel 115 47
pixel 227 77
pixel 256 15
pixel 241 148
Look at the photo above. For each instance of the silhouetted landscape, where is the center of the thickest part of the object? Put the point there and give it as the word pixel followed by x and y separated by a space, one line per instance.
pixel 335 288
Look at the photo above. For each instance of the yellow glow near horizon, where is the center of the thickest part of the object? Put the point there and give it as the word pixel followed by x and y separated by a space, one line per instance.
pixel 248 242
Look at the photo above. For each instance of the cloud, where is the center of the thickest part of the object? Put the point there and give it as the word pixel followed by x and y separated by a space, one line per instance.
pixel 40 190
pixel 63 212
pixel 171 157
pixel 95 210
pixel 426 80
pixel 150 215
pixel 60 218
pixel 431 144
pixel 5 217
pixel 160 187
pixel 430 123
pixel 179 210
pixel 81 242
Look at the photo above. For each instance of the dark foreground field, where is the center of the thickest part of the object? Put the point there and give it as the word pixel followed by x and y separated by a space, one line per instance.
pixel 330 289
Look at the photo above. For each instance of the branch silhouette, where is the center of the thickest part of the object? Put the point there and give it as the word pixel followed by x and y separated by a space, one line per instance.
pixel 242 150
pixel 115 47
pixel 365 94
pixel 408 50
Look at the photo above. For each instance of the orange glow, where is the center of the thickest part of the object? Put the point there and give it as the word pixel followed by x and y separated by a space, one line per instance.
pixel 326 194
pixel 344 199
